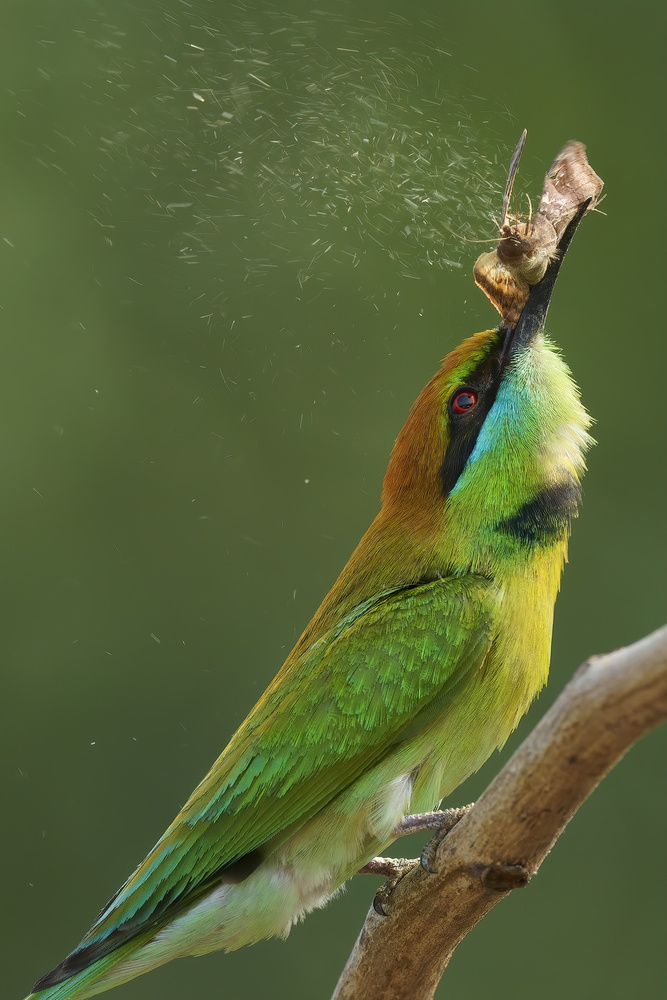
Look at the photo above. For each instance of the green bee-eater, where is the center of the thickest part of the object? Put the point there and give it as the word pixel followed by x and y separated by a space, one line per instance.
pixel 419 663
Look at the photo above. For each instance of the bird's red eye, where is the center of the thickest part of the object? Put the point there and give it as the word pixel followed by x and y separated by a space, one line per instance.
pixel 464 401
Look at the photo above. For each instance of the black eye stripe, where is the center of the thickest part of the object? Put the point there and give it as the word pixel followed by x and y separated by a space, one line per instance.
pixel 464 426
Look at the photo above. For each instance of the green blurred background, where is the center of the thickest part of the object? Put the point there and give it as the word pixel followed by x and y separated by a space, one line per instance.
pixel 235 243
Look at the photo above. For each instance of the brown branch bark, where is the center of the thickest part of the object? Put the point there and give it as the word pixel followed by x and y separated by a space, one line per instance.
pixel 611 702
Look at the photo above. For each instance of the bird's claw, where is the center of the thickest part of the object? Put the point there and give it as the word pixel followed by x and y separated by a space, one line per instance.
pixel 394 869
pixel 448 819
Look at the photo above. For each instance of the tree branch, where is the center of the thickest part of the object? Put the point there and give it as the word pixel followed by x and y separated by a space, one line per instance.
pixel 611 702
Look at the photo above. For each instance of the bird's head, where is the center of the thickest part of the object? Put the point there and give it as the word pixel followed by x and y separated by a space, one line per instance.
pixel 491 455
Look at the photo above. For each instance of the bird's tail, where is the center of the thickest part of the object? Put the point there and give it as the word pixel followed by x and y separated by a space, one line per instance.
pixel 66 982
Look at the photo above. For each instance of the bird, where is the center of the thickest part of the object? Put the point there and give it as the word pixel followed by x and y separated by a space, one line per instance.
pixel 418 664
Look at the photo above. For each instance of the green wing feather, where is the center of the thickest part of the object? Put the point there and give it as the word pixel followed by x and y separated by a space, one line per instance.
pixel 370 683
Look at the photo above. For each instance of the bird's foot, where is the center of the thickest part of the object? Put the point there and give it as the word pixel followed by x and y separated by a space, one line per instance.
pixel 450 818
pixel 442 821
pixel 389 867
pixel 393 869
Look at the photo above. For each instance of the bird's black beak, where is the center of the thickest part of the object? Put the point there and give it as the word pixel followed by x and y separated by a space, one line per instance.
pixel 534 313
